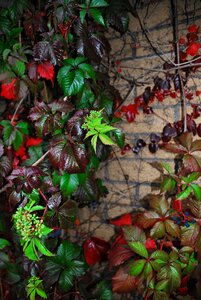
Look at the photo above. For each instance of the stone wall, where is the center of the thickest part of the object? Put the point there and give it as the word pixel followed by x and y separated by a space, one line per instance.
pixel 136 58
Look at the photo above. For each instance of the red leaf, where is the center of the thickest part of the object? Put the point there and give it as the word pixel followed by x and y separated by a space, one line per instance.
pixel 91 253
pixel 131 111
pixel 102 246
pixel 33 142
pixel 150 244
pixel 95 250
pixel 193 49
pixel 123 220
pixel 192 28
pixel 20 152
pixel 177 205
pixel 119 240
pixel 46 70
pixel 8 90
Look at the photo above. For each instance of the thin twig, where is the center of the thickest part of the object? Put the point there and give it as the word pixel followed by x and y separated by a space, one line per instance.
pixel 180 66
pixel 41 159
pixel 16 110
pixel 125 176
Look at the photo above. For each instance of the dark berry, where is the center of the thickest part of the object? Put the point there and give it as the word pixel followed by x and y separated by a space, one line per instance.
pixel 168 132
pixel 187 225
pixel 136 150
pixel 174 218
pixel 186 213
pixel 140 143
pixel 192 221
pixel 153 147
pixel 154 138
pixel 148 110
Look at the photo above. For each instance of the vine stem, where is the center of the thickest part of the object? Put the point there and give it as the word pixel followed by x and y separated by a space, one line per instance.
pixel 125 176
pixel 163 119
pixel 41 159
pixel 16 110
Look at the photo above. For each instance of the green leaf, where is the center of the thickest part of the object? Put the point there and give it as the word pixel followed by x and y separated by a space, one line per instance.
pixel 106 140
pixel 184 194
pixel 104 291
pixel 194 176
pixel 168 184
pixel 46 230
pixel 88 70
pixel 94 141
pixel 97 15
pixel 5 54
pixel 138 248
pixel 158 230
pixel 83 14
pixel 160 254
pixel 197 191
pixel 35 152
pixel 147 270
pixel 172 228
pixel 134 234
pixel 119 137
pixel 167 167
pixel 17 142
pixel 86 98
pixel 66 280
pixel 19 68
pixel 41 293
pixel 30 251
pixel 8 133
pixel 23 127
pixel 42 247
pixel 137 267
pixel 37 207
pixel 162 285
pixel 98 3
pixel 78 60
pixel 72 83
pixel 69 184
pixel 4 243
pixel 63 73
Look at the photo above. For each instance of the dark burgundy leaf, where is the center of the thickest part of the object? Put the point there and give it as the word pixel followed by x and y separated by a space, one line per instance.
pixel 74 125
pixel 87 190
pixel 54 201
pixel 14 199
pixel 5 166
pixel 69 157
pixel 35 23
pixel 48 118
pixel 118 255
pixel 67 214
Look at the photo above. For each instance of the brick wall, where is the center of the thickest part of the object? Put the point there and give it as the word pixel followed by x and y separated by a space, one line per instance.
pixel 137 57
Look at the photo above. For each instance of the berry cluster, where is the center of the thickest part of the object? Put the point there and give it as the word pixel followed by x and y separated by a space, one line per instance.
pixel 184 219
pixel 28 225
